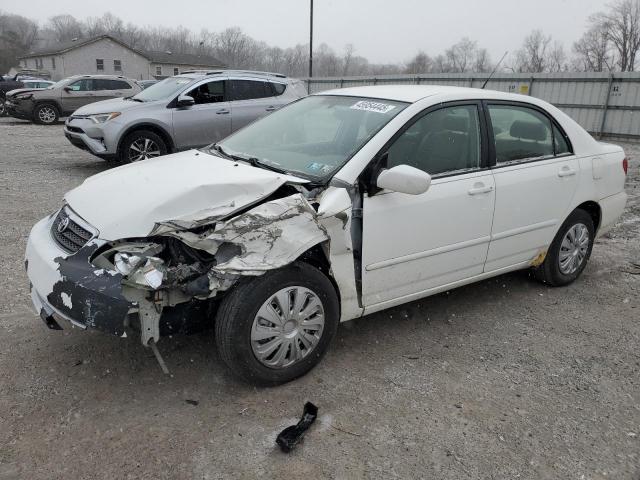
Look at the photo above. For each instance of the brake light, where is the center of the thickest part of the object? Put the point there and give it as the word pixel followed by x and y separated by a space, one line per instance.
pixel 625 165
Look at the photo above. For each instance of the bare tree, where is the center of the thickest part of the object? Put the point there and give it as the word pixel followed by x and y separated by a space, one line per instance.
pixel 593 50
pixel 421 63
pixel 533 57
pixel 65 28
pixel 349 50
pixel 557 58
pixel 462 55
pixel 17 36
pixel 482 63
pixel 621 22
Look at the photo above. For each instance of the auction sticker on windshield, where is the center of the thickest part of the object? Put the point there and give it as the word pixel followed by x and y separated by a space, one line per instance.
pixel 370 106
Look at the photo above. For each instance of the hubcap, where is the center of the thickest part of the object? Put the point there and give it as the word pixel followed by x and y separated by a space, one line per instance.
pixel 573 249
pixel 46 114
pixel 287 327
pixel 143 148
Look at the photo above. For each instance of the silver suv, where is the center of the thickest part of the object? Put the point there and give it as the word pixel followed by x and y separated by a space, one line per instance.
pixel 190 110
pixel 47 105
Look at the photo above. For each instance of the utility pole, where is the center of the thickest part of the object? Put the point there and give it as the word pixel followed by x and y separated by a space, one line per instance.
pixel 311 41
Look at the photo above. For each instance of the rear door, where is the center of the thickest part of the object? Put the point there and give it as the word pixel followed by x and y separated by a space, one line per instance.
pixel 208 121
pixel 251 99
pixel 536 176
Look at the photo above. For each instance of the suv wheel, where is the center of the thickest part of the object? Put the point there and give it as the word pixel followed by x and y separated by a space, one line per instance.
pixel 46 114
pixel 276 327
pixel 3 110
pixel 141 145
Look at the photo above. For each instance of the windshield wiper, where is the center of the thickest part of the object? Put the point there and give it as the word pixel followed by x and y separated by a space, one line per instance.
pixel 253 161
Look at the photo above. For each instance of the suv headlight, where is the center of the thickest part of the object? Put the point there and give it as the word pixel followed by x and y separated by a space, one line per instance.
pixel 103 117
pixel 23 96
pixel 136 262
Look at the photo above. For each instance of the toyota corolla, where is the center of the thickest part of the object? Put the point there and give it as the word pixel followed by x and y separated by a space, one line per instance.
pixel 339 205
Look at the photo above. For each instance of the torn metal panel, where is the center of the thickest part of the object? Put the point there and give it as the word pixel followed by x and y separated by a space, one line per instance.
pixel 269 236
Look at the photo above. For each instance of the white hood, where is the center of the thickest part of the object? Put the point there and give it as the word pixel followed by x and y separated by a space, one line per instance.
pixel 129 201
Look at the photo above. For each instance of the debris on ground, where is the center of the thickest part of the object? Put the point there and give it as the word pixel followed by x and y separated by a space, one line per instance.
pixel 291 436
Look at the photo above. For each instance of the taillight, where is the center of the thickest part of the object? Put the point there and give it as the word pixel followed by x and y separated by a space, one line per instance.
pixel 625 165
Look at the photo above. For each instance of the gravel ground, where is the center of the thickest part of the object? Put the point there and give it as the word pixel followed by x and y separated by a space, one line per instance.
pixel 502 379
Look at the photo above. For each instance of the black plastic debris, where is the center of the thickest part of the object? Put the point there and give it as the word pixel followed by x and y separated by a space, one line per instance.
pixel 291 436
pixel 192 402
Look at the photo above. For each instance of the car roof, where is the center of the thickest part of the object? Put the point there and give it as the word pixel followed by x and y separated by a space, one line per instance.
pixel 119 77
pixel 415 93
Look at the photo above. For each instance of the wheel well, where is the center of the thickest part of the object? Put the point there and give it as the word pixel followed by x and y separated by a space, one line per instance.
pixel 593 209
pixel 316 257
pixel 151 128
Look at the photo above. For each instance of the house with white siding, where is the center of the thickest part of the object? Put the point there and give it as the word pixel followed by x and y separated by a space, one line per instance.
pixel 108 55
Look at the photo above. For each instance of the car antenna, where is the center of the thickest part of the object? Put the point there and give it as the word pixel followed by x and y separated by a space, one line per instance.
pixel 494 70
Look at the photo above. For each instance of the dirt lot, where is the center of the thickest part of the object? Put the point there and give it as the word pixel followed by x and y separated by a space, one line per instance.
pixel 502 379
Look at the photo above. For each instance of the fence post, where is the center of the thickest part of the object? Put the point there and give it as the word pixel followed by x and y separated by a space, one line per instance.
pixel 605 106
pixel 471 82
pixel 531 86
pixel 418 80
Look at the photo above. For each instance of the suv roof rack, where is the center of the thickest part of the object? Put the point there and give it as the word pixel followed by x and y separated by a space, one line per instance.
pixel 250 72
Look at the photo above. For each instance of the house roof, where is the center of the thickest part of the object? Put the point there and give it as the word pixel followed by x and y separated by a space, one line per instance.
pixel 152 56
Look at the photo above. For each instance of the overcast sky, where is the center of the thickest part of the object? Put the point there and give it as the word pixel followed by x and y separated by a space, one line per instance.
pixel 384 31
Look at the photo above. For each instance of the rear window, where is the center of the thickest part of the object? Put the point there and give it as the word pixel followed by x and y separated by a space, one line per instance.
pixel 278 88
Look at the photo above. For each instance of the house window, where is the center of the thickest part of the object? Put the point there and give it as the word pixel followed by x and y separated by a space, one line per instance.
pixel 117 66
pixel 159 70
pixel 100 64
pixel 176 71
pixel 53 63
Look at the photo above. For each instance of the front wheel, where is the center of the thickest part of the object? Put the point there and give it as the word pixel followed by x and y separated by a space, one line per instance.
pixel 276 327
pixel 3 109
pixel 569 252
pixel 46 114
pixel 141 145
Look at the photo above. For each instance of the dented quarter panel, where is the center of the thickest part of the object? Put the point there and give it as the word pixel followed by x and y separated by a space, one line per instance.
pixel 186 188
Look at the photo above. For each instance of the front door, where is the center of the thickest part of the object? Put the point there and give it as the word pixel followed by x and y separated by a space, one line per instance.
pixel 208 121
pixel 536 177
pixel 415 243
pixel 78 94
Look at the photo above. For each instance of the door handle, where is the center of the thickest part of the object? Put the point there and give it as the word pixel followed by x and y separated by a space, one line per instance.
pixel 566 172
pixel 480 190
pixel 222 111
pixel 271 108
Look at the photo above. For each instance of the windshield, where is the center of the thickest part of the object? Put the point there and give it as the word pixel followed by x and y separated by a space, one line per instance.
pixel 313 137
pixel 164 89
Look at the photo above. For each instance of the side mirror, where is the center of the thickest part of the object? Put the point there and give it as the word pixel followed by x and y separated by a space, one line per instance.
pixel 68 89
pixel 404 179
pixel 185 101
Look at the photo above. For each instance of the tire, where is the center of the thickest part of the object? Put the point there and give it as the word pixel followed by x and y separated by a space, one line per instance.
pixel 140 145
pixel 553 271
pixel 3 110
pixel 46 114
pixel 237 320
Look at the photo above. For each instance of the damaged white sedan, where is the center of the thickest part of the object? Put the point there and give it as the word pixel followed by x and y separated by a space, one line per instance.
pixel 339 205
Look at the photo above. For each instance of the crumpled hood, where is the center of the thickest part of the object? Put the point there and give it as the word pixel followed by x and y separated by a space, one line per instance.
pixel 11 93
pixel 108 106
pixel 170 192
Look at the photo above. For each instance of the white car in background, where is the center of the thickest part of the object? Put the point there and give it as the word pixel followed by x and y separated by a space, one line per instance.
pixel 339 205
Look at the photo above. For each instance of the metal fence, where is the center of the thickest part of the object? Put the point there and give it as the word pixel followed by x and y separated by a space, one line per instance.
pixel 604 104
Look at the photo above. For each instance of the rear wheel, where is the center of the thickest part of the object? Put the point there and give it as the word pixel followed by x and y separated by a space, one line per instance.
pixel 141 145
pixel 3 110
pixel 46 114
pixel 274 328
pixel 570 250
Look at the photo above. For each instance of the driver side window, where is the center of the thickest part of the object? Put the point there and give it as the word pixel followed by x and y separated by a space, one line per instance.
pixel 443 141
pixel 211 92
pixel 84 85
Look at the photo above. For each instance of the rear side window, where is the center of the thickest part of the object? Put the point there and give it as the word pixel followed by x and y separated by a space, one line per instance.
pixel 250 89
pixel 105 84
pixel 520 133
pixel 560 144
pixel 278 88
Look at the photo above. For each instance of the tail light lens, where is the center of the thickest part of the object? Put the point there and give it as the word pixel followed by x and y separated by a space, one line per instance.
pixel 625 165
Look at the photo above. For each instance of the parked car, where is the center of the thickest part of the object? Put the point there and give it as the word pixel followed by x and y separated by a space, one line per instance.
pixel 7 84
pixel 181 112
pixel 62 98
pixel 27 86
pixel 339 205
pixel 146 83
